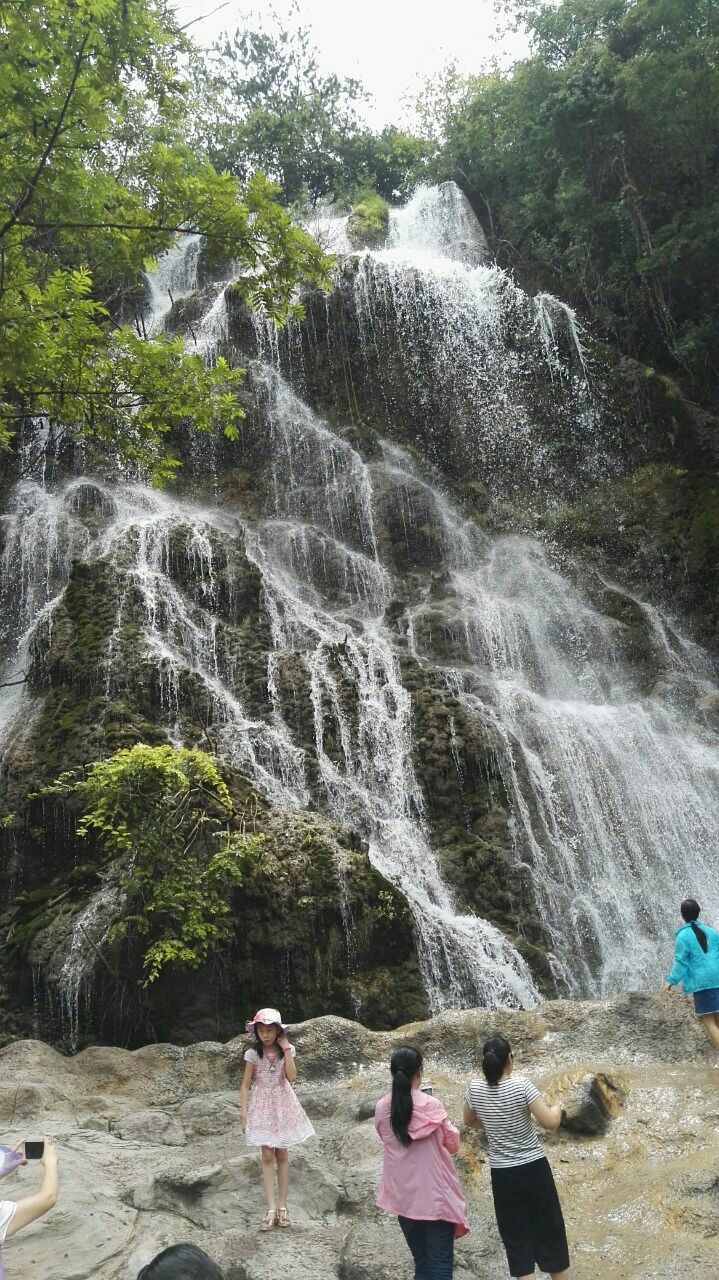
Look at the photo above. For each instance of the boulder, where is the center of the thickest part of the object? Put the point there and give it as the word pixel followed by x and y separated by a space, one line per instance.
pixel 210 1113
pixel 150 1128
pixel 592 1103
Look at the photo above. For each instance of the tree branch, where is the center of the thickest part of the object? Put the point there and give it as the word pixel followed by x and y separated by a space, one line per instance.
pixel 25 199
pixel 11 684
pixel 102 226
pixel 202 16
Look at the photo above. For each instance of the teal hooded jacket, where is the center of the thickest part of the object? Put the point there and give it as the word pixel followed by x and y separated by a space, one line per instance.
pixel 697 970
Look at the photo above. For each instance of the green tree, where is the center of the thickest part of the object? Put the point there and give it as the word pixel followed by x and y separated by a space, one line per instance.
pixel 391 163
pixel 266 105
pixel 269 107
pixel 594 165
pixel 164 817
pixel 95 179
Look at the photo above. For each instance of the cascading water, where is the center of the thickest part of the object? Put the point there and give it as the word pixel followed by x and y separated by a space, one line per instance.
pixel 438 222
pixel 174 278
pixel 614 792
pixel 90 929
pixel 327 592
pixel 325 599
pixel 613 786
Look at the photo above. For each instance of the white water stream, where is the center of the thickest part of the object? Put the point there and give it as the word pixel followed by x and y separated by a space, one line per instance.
pixel 614 791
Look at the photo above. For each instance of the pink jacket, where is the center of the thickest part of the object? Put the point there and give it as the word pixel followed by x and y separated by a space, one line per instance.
pixel 420 1181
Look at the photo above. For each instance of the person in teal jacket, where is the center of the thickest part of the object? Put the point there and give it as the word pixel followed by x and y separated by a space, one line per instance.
pixel 696 966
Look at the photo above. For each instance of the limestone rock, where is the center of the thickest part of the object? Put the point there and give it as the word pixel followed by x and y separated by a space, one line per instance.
pixel 630 1071
pixel 85 1237
pixel 210 1113
pixel 150 1127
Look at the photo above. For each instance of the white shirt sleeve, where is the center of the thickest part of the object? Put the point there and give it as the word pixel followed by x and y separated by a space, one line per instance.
pixel 252 1056
pixel 7 1213
pixel 531 1092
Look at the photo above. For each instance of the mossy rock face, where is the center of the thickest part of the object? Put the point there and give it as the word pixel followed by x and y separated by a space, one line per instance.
pixel 659 525
pixel 457 764
pixel 314 928
pixel 368 222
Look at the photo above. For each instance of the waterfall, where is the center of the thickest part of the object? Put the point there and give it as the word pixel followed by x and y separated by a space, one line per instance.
pixel 438 222
pixel 174 278
pixel 615 793
pixel 325 598
pixel 41 535
pixel 614 786
pixel 612 779
pixel 89 930
pixel 327 592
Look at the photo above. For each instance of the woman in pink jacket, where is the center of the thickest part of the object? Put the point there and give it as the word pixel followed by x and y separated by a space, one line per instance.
pixel 419 1181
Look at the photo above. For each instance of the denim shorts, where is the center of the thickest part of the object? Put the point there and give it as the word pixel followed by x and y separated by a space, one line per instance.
pixel 706 1001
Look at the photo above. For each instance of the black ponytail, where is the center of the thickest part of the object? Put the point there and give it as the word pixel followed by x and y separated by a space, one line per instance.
pixel 495 1055
pixel 405 1064
pixel 690 913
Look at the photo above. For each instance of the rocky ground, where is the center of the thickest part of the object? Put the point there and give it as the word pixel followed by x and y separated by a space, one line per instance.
pixel 152 1153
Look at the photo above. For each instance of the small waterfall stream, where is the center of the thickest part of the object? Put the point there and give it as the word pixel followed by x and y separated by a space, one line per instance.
pixel 613 788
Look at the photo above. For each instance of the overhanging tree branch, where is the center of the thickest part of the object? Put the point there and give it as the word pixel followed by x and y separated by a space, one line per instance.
pixel 29 192
pixel 10 684
pixel 160 228
pixel 202 16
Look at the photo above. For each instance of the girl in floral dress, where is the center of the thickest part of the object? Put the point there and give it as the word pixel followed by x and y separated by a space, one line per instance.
pixel 272 1117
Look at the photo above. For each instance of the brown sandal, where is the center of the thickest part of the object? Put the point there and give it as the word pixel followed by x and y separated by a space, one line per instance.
pixel 269 1220
pixel 283 1218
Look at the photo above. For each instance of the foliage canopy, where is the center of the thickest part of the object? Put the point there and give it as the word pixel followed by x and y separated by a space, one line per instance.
pixel 163 816
pixel 96 177
pixel 595 165
pixel 264 104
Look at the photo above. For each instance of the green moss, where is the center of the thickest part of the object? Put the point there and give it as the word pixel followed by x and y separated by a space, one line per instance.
pixel 368 222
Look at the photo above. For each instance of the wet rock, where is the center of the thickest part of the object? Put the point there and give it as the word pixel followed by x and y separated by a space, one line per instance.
pixel 592 1103
pixel 708 706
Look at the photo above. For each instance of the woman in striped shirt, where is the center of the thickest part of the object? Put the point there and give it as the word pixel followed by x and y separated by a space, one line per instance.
pixel 529 1215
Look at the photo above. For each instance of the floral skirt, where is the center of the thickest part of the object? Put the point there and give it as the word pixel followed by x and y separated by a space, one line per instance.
pixel 275 1117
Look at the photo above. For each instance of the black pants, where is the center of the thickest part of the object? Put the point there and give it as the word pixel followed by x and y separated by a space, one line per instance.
pixel 529 1217
pixel 432 1247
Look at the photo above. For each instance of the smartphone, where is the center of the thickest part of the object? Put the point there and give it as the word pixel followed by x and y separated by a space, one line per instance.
pixel 34 1150
pixel 425 1088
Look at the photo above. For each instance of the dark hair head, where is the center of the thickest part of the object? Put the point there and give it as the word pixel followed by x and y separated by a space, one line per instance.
pixel 181 1262
pixel 690 913
pixel 405 1064
pixel 495 1055
pixel 258 1043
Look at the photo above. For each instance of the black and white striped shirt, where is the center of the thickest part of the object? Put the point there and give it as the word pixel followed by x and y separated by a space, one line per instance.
pixel 503 1109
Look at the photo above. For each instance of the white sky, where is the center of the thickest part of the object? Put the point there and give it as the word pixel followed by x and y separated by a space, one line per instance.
pixel 390 45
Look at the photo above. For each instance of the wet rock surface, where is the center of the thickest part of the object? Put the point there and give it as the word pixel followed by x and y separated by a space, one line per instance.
pixel 152 1153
